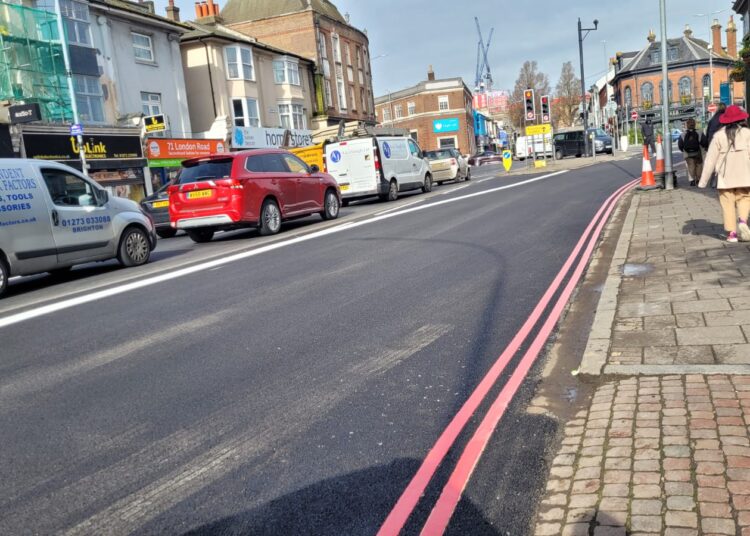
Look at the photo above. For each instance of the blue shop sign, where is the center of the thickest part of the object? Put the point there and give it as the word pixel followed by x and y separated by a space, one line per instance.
pixel 445 125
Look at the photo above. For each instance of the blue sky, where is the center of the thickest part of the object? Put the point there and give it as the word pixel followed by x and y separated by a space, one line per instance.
pixel 416 33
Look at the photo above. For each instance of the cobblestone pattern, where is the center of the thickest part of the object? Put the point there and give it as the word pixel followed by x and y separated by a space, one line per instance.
pixel 666 455
pixel 692 305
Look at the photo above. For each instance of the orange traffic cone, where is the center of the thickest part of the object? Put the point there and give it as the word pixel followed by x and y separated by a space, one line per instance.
pixel 659 171
pixel 647 175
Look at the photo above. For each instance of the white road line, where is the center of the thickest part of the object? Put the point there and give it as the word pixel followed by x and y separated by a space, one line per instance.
pixel 399 207
pixel 455 189
pixel 202 267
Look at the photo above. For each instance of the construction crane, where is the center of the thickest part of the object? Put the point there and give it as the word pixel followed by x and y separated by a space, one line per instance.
pixel 484 74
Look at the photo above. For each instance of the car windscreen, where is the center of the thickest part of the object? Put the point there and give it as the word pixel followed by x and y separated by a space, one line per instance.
pixel 206 170
pixel 438 155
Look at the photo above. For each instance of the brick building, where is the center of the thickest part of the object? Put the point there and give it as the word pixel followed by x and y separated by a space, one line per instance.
pixel 438 113
pixel 315 30
pixel 742 7
pixel 637 79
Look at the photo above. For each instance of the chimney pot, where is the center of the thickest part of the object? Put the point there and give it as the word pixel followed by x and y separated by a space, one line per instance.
pixel 204 9
pixel 716 37
pixel 430 73
pixel 198 13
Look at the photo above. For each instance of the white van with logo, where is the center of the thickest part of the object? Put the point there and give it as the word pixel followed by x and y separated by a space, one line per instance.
pixel 52 217
pixel 378 165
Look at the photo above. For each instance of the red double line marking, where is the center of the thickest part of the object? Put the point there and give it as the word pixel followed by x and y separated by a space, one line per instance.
pixel 451 494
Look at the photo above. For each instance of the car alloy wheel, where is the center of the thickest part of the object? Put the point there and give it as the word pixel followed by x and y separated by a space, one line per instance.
pixel 331 206
pixel 270 218
pixel 137 247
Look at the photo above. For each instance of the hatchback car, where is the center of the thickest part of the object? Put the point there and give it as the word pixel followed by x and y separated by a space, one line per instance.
pixel 258 188
pixel 156 205
pixel 448 165
pixel 485 157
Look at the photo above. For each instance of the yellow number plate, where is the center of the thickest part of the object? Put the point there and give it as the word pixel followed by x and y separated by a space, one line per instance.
pixel 344 187
pixel 160 204
pixel 199 194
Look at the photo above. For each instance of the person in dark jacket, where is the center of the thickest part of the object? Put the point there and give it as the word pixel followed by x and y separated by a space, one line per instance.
pixel 714 125
pixel 691 143
pixel 648 136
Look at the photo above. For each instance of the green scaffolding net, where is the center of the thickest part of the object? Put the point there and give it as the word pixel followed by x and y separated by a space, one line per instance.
pixel 32 69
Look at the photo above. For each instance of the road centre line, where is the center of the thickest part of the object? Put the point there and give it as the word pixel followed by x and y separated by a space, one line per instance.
pixel 202 267
pixel 408 500
pixel 446 505
pixel 400 207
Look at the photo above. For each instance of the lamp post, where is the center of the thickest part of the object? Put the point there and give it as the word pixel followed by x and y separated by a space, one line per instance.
pixel 667 136
pixel 581 37
pixel 710 50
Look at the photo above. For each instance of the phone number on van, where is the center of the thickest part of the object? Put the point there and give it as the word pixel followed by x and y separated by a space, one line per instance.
pixel 90 220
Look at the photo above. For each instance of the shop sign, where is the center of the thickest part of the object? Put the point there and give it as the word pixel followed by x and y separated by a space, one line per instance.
pixel 155 123
pixel 263 138
pixel 24 113
pixel 445 125
pixel 176 149
pixel 63 147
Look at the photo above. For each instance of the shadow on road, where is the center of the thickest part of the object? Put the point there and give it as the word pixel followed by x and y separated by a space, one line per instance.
pixel 352 504
pixel 703 227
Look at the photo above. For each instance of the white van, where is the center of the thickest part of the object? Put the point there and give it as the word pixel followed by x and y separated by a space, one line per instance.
pixel 378 165
pixel 543 146
pixel 52 217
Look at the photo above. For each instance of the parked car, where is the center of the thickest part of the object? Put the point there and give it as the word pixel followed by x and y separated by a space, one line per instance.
pixel 378 165
pixel 156 205
pixel 572 143
pixel 485 157
pixel 448 165
pixel 259 188
pixel 52 218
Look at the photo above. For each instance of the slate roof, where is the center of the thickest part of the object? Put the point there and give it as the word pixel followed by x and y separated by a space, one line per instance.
pixel 236 11
pixel 139 9
pixel 689 50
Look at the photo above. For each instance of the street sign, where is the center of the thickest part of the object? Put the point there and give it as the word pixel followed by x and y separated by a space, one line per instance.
pixel 712 108
pixel 538 130
pixel 155 123
pixel 507 160
pixel 76 129
pixel 634 115
pixel 24 113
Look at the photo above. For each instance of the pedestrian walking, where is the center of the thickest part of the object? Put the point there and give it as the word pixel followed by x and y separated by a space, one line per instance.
pixel 714 124
pixel 648 136
pixel 728 158
pixel 691 143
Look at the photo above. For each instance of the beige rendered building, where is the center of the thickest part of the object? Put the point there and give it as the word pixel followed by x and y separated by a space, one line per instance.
pixel 235 82
pixel 315 30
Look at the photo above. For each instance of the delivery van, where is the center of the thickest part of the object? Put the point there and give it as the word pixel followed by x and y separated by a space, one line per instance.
pixel 378 165
pixel 52 218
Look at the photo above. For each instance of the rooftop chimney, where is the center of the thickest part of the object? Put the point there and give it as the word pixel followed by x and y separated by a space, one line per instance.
pixel 430 74
pixel 716 36
pixel 173 12
pixel 732 37
pixel 688 31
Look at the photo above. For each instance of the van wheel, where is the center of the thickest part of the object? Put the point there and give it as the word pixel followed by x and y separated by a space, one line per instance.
pixel 134 247
pixel 393 191
pixel 201 236
pixel 427 184
pixel 4 275
pixel 167 232
pixel 559 154
pixel 270 218
pixel 330 206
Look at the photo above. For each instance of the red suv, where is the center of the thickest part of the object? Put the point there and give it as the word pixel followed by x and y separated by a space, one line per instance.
pixel 258 188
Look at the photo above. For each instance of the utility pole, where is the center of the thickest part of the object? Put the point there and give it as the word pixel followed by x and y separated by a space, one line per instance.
pixel 666 132
pixel 581 37
pixel 71 89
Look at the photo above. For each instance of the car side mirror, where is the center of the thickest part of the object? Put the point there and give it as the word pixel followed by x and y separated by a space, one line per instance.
pixel 102 196
pixel 314 169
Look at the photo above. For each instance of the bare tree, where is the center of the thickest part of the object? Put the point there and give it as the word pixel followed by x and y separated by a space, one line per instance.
pixel 565 105
pixel 529 77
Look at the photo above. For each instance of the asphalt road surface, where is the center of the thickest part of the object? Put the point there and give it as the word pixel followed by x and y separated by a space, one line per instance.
pixel 292 384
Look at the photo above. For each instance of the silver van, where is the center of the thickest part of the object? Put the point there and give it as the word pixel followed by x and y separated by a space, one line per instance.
pixel 52 217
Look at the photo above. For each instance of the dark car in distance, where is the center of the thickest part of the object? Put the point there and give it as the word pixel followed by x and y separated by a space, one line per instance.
pixel 156 205
pixel 485 157
pixel 572 143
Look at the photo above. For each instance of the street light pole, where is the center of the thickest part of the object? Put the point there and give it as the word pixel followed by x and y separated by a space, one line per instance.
pixel 581 37
pixel 666 132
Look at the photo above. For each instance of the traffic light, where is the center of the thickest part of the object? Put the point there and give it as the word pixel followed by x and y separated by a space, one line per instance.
pixel 528 97
pixel 546 116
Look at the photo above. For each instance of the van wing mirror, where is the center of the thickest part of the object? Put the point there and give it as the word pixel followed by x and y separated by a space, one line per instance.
pixel 314 169
pixel 102 196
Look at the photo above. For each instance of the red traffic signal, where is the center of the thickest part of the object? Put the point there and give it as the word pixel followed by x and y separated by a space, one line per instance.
pixel 546 116
pixel 528 97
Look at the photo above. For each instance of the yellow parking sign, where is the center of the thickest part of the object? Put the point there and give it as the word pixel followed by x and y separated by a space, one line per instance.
pixel 155 123
pixel 507 159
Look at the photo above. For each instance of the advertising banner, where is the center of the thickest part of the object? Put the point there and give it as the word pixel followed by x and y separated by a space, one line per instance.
pixel 62 147
pixel 176 149
pixel 445 125
pixel 263 138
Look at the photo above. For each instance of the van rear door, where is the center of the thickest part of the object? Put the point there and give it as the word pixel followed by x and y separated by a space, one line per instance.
pixel 352 164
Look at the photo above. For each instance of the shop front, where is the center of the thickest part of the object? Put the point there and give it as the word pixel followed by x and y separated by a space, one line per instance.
pixel 264 138
pixel 165 156
pixel 114 157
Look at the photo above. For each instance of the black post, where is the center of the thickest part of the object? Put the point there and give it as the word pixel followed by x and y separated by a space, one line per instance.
pixel 581 37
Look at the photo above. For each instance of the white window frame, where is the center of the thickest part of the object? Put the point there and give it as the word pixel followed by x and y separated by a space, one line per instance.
pixel 153 105
pixel 288 68
pixel 336 46
pixel 76 25
pixel 328 93
pixel 455 142
pixel 148 49
pixel 242 73
pixel 247 119
pixel 348 54
pixel 295 115
pixel 444 103
pixel 398 111
pixel 341 92
pixel 352 98
pixel 84 99
pixel 386 114
pixel 411 108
